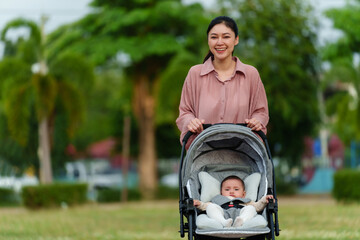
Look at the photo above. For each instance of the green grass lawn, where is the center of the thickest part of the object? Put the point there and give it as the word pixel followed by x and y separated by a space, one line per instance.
pixel 313 218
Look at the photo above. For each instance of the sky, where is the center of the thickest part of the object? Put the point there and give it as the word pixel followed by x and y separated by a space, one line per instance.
pixel 66 11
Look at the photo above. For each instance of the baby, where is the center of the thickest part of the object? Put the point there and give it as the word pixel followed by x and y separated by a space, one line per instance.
pixel 232 204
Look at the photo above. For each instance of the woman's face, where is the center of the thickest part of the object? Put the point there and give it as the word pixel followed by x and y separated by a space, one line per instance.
pixel 222 40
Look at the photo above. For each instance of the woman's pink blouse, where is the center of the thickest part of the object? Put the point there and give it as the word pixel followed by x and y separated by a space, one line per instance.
pixel 204 96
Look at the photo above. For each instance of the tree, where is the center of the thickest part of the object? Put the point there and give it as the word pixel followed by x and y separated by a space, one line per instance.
pixel 341 82
pixel 148 34
pixel 41 92
pixel 271 33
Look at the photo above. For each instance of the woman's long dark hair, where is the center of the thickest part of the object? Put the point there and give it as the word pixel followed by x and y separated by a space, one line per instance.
pixel 229 22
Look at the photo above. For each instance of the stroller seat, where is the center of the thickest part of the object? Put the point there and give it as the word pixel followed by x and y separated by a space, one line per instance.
pixel 210 187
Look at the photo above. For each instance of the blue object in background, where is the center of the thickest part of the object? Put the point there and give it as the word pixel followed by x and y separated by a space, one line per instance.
pixel 354 146
pixel 317 147
pixel 322 181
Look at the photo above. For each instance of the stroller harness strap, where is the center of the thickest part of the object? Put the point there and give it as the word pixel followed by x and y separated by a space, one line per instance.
pixel 232 204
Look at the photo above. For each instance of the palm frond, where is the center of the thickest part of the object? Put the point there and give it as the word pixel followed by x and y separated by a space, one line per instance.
pixel 72 101
pixel 45 89
pixel 17 109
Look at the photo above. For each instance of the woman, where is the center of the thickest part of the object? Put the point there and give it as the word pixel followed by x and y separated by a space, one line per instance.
pixel 222 89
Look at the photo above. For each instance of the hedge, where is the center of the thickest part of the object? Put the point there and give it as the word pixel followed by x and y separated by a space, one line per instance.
pixel 54 195
pixel 114 195
pixel 347 186
pixel 8 197
pixel 107 195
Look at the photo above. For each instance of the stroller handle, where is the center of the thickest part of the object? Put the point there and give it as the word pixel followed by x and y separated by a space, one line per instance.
pixel 189 133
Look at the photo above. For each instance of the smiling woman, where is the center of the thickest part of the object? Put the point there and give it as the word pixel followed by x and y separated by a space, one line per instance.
pixel 222 89
pixel 222 42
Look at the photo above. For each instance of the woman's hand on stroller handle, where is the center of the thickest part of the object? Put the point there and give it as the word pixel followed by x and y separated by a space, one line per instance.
pixel 254 124
pixel 206 125
pixel 196 125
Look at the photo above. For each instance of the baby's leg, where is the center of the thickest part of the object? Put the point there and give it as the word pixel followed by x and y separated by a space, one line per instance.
pixel 214 211
pixel 246 213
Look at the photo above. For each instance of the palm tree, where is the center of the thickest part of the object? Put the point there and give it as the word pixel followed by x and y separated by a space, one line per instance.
pixel 31 85
pixel 151 34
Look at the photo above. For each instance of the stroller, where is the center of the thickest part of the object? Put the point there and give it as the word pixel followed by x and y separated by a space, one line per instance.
pixel 219 151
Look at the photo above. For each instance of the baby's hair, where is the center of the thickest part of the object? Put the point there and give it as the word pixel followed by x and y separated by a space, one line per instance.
pixel 233 177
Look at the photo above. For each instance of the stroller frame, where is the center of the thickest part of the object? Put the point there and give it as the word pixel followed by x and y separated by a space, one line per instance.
pixel 188 211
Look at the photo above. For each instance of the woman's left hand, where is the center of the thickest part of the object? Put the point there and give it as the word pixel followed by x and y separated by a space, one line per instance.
pixel 254 124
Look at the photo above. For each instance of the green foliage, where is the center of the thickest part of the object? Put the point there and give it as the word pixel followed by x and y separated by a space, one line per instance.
pixel 341 82
pixel 167 141
pixel 45 91
pixel 142 38
pixel 74 68
pixel 136 29
pixel 53 195
pixel 346 186
pixel 8 197
pixel 284 188
pixel 26 96
pixel 14 153
pixel 28 50
pixel 164 192
pixel 171 82
pixel 114 195
pixel 288 71
pixel 346 19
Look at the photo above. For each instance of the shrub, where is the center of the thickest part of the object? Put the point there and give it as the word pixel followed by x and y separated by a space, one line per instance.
pixel 114 195
pixel 107 195
pixel 285 188
pixel 164 192
pixel 53 195
pixel 8 197
pixel 346 186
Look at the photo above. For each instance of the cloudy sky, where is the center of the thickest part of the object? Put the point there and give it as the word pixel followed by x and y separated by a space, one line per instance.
pixel 66 11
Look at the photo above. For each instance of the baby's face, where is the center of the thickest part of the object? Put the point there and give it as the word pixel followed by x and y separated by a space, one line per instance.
pixel 233 188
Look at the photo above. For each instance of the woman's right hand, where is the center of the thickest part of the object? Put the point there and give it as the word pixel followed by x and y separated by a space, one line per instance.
pixel 196 125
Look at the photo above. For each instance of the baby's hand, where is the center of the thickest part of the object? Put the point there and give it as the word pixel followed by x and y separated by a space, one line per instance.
pixel 197 203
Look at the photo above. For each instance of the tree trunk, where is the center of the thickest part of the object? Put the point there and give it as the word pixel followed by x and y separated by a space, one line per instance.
pixel 44 134
pixel 44 152
pixel 125 153
pixel 145 110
